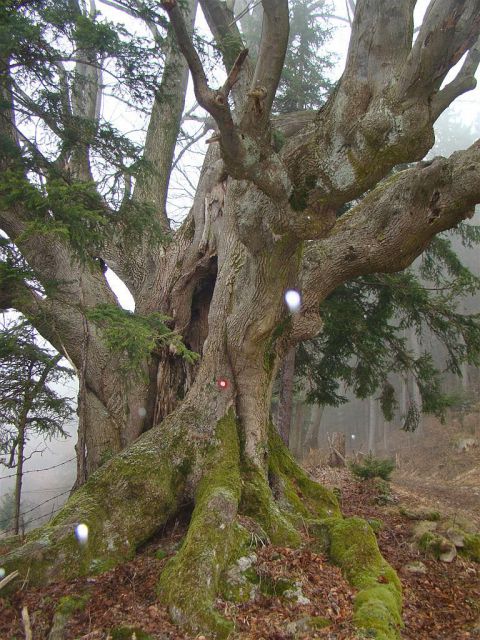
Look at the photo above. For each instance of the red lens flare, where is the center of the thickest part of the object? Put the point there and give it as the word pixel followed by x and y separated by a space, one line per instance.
pixel 222 383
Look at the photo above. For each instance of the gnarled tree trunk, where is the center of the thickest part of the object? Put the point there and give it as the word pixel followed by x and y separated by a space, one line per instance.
pixel 266 217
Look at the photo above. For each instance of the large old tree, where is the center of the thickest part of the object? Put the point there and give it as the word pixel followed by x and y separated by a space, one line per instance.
pixel 159 429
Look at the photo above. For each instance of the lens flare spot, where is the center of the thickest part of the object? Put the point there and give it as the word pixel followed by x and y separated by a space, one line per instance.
pixel 353 436
pixel 222 384
pixel 81 533
pixel 142 412
pixel 2 573
pixel 293 300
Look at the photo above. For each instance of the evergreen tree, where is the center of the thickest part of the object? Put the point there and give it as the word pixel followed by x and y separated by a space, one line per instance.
pixel 29 404
pixel 7 510
pixel 304 83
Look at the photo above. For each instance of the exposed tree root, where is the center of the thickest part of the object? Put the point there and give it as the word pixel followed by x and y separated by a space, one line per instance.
pixel 378 604
pixel 123 504
pixel 235 505
pixel 189 583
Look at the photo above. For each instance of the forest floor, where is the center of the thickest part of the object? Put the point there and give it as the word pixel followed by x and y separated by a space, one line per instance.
pixel 441 604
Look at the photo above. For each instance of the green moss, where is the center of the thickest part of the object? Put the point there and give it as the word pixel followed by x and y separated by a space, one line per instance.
pixel 129 633
pixel 271 587
pixel 258 503
pixel 378 604
pixel 65 609
pixel 299 199
pixel 471 549
pixel 240 582
pixel 319 622
pixel 420 514
pixel 190 580
pixel 69 604
pixel 376 613
pixel 431 542
pixel 160 554
pixel 131 488
pixel 376 524
pixel 305 497
pixel 278 139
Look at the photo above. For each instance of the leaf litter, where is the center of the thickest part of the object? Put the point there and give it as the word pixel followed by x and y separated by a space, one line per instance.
pixel 441 604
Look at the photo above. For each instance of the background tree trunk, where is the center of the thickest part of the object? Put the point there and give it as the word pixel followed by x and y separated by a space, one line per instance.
pixel 19 471
pixel 336 443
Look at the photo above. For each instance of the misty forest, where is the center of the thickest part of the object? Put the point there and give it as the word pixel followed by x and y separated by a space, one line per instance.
pixel 289 242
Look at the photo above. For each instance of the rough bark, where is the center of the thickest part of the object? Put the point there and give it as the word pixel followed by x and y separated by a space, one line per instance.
pixel 265 219
pixel 285 402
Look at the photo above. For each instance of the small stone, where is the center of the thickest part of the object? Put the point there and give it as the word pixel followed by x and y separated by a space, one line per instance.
pixel 448 552
pixel 415 567
pixel 245 562
pixel 465 444
pixel 297 626
pixel 456 536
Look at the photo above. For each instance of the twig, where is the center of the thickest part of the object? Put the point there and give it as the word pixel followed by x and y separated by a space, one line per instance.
pixel 245 11
pixel 8 579
pixel 25 580
pixel 26 624
pixel 232 77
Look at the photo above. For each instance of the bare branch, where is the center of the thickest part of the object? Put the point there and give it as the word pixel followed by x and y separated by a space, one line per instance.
pixel 271 57
pixel 135 14
pixel 189 144
pixel 244 12
pixel 240 163
pixel 162 132
pixel 233 76
pixel 229 40
pixel 448 31
pixel 463 82
pixel 85 100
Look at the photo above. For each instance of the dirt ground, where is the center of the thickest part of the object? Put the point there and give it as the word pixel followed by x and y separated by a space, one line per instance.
pixel 441 604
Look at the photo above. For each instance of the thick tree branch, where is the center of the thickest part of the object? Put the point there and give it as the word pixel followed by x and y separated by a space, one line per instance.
pixel 227 35
pixel 391 226
pixel 163 127
pixel 215 102
pixel 245 157
pixel 271 57
pixel 450 28
pixel 86 96
pixel 129 11
pixel 381 39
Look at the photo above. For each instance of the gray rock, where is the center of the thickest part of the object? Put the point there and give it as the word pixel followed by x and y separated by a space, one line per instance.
pixel 456 536
pixel 415 567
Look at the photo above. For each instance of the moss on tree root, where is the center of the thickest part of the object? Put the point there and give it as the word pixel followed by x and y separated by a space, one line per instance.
pixel 189 583
pixel 236 504
pixel 378 604
pixel 122 504
pixel 299 493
